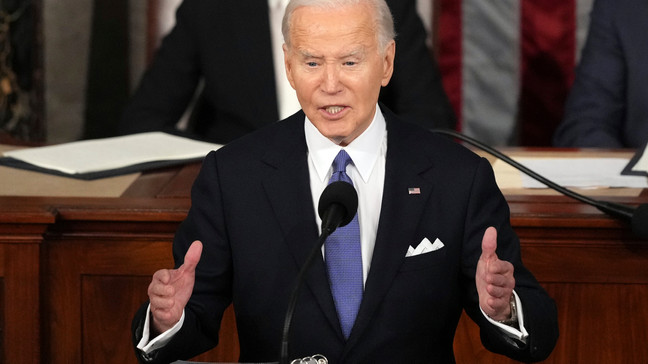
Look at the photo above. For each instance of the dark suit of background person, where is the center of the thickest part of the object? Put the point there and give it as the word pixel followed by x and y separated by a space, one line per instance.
pixel 252 208
pixel 228 44
pixel 608 103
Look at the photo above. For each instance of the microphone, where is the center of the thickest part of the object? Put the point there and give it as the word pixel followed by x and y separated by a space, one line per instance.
pixel 637 217
pixel 337 206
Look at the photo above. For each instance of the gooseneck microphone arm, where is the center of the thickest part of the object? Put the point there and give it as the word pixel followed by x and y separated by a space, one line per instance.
pixel 338 205
pixel 620 211
pixel 295 292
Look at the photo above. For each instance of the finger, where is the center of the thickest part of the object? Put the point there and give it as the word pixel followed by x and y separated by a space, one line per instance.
pixel 498 291
pixel 489 244
pixel 191 259
pixel 160 290
pixel 193 255
pixel 159 303
pixel 500 273
pixel 497 280
pixel 162 276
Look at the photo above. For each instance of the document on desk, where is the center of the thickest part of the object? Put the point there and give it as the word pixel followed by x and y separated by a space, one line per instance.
pixel 574 172
pixel 638 165
pixel 98 158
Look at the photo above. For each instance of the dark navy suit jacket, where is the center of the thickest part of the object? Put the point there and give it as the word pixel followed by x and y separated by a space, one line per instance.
pixel 227 44
pixel 608 103
pixel 252 208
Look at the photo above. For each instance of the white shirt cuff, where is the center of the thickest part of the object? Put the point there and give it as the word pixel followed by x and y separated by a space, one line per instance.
pixel 159 341
pixel 510 331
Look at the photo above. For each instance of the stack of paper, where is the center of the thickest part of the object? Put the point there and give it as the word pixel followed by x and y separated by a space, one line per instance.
pixel 569 172
pixel 90 159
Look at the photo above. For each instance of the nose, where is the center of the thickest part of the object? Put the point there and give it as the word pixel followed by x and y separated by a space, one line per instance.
pixel 331 82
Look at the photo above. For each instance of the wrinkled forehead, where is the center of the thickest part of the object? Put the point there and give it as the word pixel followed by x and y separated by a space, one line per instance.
pixel 348 27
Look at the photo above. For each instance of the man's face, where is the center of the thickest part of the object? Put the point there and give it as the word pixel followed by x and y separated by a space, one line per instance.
pixel 336 68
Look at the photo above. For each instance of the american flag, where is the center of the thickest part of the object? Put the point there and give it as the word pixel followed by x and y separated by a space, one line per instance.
pixel 414 191
pixel 508 65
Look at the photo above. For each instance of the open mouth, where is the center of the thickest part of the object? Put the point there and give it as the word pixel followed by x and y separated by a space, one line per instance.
pixel 334 109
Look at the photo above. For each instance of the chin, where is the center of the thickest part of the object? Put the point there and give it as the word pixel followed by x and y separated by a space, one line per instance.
pixel 341 140
pixel 330 132
pixel 336 134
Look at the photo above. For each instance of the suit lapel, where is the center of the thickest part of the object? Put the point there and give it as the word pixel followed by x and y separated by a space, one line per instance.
pixel 288 189
pixel 399 218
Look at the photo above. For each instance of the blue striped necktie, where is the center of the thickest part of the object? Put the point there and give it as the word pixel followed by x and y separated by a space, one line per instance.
pixel 344 258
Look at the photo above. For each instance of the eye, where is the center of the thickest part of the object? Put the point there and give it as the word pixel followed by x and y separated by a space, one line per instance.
pixel 311 64
pixel 350 63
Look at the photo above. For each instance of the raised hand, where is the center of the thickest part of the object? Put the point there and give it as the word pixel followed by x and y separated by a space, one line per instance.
pixel 170 290
pixel 494 279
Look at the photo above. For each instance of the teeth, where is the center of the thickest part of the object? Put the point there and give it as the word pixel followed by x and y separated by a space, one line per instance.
pixel 334 109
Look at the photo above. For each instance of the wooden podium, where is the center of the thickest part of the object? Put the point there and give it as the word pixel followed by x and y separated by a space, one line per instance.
pixel 74 270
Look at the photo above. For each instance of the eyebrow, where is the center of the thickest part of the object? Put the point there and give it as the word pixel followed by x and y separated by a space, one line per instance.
pixel 306 54
pixel 354 53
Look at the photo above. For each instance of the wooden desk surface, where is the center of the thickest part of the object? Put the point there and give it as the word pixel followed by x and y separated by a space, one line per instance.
pixel 78 265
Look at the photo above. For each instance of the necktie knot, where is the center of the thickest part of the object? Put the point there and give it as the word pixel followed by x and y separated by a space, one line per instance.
pixel 342 159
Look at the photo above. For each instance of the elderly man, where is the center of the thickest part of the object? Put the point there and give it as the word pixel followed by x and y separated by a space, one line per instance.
pixel 430 239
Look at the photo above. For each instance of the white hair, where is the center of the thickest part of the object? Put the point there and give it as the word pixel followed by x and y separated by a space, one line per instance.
pixel 381 15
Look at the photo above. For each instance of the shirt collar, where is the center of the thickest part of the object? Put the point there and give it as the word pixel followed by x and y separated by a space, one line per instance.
pixel 364 150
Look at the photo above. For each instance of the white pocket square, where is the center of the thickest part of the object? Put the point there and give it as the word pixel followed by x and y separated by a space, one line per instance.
pixel 425 246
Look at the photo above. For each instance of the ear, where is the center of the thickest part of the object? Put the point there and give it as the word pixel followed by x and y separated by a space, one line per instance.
pixel 388 62
pixel 288 65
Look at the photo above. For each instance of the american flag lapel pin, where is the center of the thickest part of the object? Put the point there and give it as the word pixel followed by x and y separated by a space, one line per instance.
pixel 414 191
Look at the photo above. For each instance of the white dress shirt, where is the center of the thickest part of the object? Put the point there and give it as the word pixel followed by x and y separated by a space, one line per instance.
pixel 367 173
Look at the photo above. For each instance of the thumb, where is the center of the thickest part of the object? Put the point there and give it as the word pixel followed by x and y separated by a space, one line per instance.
pixel 191 259
pixel 489 244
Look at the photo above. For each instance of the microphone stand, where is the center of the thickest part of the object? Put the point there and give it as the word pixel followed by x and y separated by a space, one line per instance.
pixel 617 210
pixel 295 292
pixel 336 203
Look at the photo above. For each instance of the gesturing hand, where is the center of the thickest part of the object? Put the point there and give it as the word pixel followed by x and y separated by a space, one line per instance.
pixel 494 279
pixel 170 290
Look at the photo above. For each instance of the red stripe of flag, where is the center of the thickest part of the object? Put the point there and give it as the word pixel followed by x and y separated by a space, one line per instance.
pixel 548 36
pixel 449 50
